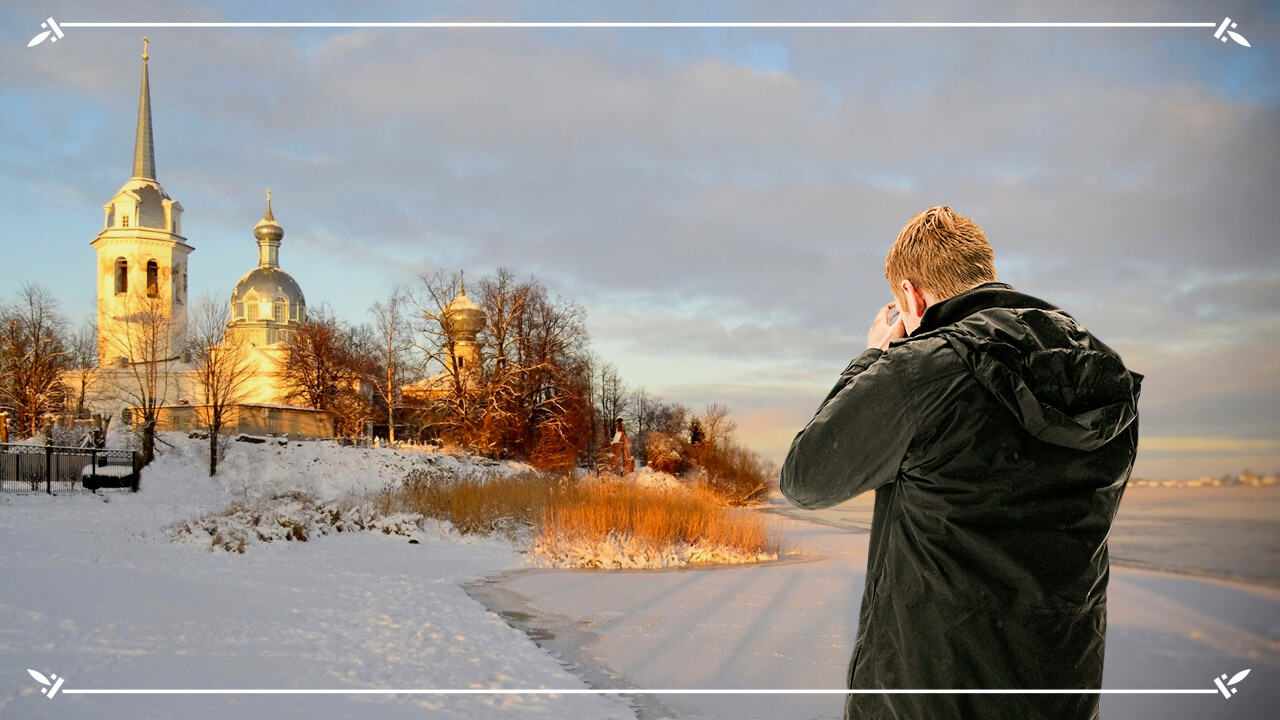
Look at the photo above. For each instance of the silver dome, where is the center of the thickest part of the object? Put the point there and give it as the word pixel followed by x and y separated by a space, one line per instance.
pixel 270 284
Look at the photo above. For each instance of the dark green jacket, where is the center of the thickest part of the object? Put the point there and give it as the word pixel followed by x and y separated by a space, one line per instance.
pixel 998 438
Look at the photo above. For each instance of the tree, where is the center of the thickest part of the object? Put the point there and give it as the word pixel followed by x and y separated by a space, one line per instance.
pixel 33 354
pixel 522 388
pixel 223 369
pixel 610 397
pixel 324 369
pixel 551 377
pixel 82 355
pixel 393 341
pixel 651 414
pixel 453 403
pixel 143 338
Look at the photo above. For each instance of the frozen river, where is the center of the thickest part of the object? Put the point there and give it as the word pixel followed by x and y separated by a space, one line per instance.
pixel 791 625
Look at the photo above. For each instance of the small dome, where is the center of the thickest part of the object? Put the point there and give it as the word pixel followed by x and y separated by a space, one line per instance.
pixel 267 228
pixel 464 317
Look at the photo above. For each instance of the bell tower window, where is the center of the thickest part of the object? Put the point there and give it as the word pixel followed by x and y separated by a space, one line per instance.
pixel 280 310
pixel 124 221
pixel 153 279
pixel 122 276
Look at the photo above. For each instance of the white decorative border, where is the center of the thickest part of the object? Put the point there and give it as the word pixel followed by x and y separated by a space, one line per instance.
pixel 54 29
pixel 53 684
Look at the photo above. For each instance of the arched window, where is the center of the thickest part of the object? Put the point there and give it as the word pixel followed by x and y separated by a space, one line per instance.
pixel 153 279
pixel 122 276
pixel 179 283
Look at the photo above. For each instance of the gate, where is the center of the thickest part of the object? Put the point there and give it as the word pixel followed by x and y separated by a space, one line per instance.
pixel 48 468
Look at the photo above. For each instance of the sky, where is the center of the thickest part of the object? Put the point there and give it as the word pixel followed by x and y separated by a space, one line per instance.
pixel 720 201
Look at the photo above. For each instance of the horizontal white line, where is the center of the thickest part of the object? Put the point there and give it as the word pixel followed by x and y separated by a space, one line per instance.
pixel 587 691
pixel 633 25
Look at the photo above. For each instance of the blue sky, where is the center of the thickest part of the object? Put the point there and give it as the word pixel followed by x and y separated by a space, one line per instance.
pixel 720 201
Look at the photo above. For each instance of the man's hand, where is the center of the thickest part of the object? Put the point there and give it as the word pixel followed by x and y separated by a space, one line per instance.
pixel 883 330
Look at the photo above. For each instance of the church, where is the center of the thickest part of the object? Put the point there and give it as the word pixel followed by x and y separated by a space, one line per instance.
pixel 143 263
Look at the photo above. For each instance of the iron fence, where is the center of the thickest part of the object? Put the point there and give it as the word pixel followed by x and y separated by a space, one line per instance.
pixel 50 469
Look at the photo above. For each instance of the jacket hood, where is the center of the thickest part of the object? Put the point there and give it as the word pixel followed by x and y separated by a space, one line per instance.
pixel 1062 384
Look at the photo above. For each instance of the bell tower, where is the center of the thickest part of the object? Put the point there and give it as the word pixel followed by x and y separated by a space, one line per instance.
pixel 142 260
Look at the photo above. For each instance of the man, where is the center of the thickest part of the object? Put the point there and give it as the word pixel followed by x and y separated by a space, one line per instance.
pixel 998 435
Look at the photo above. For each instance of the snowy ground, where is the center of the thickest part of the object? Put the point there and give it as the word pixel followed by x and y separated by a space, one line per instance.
pixel 791 625
pixel 91 588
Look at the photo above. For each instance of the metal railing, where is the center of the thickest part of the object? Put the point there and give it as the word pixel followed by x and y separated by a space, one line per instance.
pixel 49 468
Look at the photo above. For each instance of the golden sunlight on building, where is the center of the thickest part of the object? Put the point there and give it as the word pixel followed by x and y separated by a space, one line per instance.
pixel 142 268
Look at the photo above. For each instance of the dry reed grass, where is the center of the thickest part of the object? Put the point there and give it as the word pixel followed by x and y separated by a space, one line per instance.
pixel 648 518
pixel 561 510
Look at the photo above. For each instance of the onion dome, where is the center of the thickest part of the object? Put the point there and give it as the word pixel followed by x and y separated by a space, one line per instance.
pixel 267 229
pixel 463 318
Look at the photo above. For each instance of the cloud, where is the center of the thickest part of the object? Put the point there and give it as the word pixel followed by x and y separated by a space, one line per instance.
pixel 707 212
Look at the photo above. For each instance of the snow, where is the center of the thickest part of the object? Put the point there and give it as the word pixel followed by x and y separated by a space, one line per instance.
pixel 617 553
pixel 792 624
pixel 95 591
pixel 118 471
pixel 110 591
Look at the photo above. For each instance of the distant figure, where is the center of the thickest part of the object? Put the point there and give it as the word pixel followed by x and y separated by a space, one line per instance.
pixel 621 448
pixel 998 435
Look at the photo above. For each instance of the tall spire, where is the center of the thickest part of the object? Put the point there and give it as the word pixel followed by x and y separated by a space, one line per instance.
pixel 144 153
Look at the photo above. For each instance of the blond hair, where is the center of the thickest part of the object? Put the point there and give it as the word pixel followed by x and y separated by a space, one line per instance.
pixel 942 252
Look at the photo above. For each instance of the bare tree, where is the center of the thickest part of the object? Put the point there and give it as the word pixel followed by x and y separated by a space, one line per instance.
pixel 716 425
pixel 142 336
pixel 610 399
pixel 392 343
pixel 650 413
pixel 454 403
pixel 82 351
pixel 553 378
pixel 504 301
pixel 324 368
pixel 223 370
pixel 33 354
pixel 523 390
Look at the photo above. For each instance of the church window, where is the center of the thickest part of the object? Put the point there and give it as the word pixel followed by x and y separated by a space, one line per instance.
pixel 122 276
pixel 280 310
pixel 124 221
pixel 253 311
pixel 153 279
pixel 179 282
pixel 239 310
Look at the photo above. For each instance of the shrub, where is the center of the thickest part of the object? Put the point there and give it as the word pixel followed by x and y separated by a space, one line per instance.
pixel 666 453
pixel 739 475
